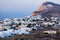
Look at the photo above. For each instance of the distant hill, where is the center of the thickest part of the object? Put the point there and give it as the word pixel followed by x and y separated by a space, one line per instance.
pixel 48 9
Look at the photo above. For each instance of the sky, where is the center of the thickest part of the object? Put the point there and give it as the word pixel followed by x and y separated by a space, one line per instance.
pixel 20 8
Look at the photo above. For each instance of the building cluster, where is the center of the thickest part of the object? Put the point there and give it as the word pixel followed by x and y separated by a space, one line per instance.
pixel 10 27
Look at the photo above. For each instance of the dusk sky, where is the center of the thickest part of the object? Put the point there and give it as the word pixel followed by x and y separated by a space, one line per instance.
pixel 19 8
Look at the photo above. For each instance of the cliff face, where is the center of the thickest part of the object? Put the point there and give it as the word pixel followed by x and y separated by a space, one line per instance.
pixel 48 9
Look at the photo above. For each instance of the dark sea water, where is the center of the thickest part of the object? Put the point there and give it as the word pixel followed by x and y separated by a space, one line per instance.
pixel 14 15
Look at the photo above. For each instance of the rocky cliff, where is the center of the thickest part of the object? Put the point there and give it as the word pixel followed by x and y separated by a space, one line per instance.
pixel 48 9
